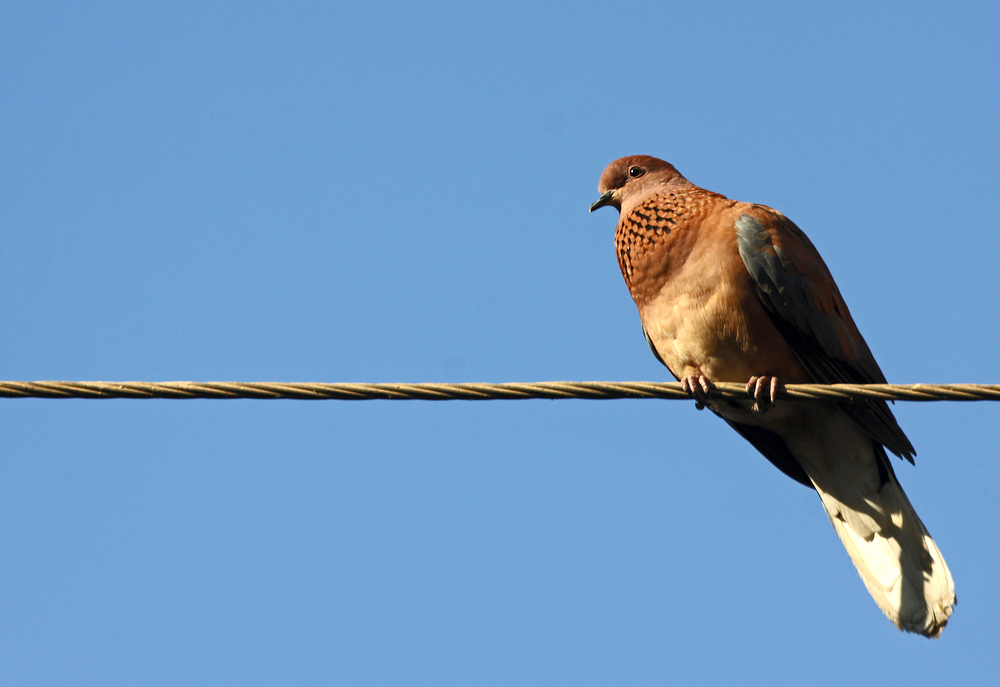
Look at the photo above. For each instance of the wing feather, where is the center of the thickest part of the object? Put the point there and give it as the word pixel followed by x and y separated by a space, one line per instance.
pixel 805 305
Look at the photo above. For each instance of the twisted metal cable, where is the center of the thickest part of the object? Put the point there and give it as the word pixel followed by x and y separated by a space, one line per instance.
pixel 854 393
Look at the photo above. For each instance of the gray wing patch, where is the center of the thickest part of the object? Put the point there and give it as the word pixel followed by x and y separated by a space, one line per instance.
pixel 815 337
pixel 789 294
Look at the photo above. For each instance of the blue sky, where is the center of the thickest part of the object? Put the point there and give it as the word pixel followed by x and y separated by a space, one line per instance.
pixel 329 192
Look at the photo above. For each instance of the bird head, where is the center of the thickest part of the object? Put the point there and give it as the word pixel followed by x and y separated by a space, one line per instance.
pixel 632 178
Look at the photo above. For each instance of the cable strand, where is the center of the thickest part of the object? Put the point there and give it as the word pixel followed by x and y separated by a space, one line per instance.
pixel 478 391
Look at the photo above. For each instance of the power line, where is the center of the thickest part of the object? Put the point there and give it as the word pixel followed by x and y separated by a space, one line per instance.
pixel 486 392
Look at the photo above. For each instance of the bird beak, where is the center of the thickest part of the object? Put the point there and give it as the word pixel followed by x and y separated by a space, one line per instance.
pixel 602 201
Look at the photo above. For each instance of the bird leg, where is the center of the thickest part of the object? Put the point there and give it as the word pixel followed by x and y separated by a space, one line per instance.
pixel 764 391
pixel 699 387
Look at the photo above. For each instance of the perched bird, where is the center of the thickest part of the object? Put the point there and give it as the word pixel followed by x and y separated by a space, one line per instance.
pixel 735 292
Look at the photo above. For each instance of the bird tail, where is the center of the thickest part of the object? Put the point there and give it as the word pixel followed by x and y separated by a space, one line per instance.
pixel 898 561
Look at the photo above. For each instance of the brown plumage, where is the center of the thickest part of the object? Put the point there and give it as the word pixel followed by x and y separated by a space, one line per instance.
pixel 735 292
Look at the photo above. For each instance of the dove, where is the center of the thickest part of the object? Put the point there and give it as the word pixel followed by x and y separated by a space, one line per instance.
pixel 729 291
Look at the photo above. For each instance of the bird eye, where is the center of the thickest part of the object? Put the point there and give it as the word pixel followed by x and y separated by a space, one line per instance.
pixel 634 172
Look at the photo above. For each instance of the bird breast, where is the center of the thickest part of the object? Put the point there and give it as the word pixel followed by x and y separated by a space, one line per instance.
pixel 695 296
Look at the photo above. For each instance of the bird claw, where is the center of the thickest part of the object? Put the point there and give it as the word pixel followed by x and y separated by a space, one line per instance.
pixel 764 391
pixel 699 387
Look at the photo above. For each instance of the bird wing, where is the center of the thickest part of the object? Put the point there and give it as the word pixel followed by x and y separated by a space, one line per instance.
pixel 804 303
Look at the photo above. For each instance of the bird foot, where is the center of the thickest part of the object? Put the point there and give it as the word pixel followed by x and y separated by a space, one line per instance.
pixel 699 387
pixel 764 391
